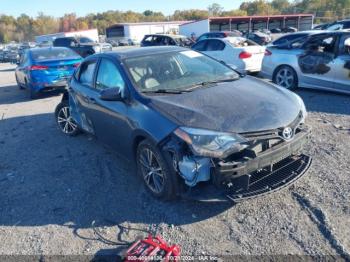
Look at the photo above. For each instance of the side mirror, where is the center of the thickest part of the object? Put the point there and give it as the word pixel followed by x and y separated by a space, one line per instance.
pixel 111 94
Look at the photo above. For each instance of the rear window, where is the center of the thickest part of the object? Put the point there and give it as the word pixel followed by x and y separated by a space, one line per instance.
pixel 61 53
pixel 63 41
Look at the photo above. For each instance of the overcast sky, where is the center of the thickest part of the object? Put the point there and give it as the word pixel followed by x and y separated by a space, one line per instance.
pixel 83 7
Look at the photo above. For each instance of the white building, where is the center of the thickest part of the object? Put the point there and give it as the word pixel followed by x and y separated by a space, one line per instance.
pixel 136 31
pixel 91 33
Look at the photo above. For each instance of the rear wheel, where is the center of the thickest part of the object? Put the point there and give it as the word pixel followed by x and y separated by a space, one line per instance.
pixel 157 174
pixel 19 84
pixel 64 120
pixel 286 77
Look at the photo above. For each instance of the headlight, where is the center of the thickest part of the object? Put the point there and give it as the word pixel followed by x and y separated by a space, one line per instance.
pixel 211 143
pixel 97 49
pixel 302 107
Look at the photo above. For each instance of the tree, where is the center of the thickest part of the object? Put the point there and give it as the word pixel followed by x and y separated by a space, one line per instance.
pixel 44 24
pixel 258 7
pixel 148 13
pixel 215 9
pixel 281 6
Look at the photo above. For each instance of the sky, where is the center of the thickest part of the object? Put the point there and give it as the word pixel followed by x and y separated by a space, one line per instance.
pixel 82 7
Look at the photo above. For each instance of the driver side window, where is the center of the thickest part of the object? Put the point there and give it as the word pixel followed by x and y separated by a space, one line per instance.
pixel 108 76
pixel 87 73
pixel 344 48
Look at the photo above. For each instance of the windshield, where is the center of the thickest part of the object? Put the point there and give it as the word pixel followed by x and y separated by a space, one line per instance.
pixel 176 71
pixel 53 53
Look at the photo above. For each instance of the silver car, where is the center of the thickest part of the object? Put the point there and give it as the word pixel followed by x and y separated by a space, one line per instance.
pixel 322 61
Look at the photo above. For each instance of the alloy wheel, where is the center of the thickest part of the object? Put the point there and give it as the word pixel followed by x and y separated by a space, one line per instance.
pixel 152 172
pixel 65 121
pixel 285 78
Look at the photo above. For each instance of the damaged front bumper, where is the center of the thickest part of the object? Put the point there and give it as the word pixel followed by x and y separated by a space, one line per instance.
pixel 251 176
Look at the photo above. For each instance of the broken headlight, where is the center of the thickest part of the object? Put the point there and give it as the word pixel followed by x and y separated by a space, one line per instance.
pixel 211 143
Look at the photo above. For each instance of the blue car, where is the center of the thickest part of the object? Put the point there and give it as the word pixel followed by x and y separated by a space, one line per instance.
pixel 194 127
pixel 46 69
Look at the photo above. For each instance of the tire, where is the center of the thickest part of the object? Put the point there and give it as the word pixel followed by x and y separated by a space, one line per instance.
pixel 64 121
pixel 162 183
pixel 18 84
pixel 285 76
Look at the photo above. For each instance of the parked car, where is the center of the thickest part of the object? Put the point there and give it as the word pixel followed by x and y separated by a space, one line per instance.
pixel 187 119
pixel 275 30
pixel 321 62
pixel 289 29
pixel 259 37
pixel 124 41
pixel 287 39
pixel 321 26
pixel 45 44
pixel 46 69
pixel 113 42
pixel 237 52
pixel 165 39
pixel 84 46
pixel 339 25
pixel 219 34
pixel 11 54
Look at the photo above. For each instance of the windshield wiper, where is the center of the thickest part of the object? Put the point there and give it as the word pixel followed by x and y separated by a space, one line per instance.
pixel 218 81
pixel 166 91
pixel 205 83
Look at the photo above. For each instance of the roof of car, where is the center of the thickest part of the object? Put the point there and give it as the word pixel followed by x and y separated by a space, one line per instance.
pixel 169 35
pixel 142 51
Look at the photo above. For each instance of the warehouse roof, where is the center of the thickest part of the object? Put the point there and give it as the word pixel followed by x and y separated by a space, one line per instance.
pixel 151 23
pixel 254 17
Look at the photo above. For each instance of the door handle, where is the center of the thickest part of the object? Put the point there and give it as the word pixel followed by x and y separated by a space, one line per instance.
pixel 92 100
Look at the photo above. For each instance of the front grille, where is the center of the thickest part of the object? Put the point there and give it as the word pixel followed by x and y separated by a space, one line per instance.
pixel 269 179
pixel 273 133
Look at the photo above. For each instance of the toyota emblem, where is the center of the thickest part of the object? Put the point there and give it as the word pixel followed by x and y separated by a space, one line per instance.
pixel 287 133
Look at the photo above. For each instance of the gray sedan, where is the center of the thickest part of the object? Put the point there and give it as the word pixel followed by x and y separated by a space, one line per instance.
pixel 322 62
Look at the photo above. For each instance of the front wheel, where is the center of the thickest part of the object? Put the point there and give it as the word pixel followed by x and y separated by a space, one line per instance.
pixel 286 77
pixel 158 176
pixel 64 120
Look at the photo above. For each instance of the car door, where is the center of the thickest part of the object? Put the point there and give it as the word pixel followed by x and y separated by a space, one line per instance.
pixel 215 48
pixel 341 65
pixel 158 40
pixel 316 61
pixel 109 118
pixel 82 90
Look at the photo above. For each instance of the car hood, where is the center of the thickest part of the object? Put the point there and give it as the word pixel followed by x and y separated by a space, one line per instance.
pixel 245 105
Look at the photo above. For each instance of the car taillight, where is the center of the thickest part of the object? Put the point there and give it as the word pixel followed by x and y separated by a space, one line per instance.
pixel 225 35
pixel 245 55
pixel 37 67
pixel 268 52
pixel 76 65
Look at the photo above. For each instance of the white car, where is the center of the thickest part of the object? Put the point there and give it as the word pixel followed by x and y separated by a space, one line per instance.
pixel 239 52
pixel 321 61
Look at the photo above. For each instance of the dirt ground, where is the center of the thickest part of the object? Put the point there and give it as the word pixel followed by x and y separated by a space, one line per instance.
pixel 52 188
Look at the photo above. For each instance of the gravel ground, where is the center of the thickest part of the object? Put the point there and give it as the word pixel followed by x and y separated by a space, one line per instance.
pixel 52 188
